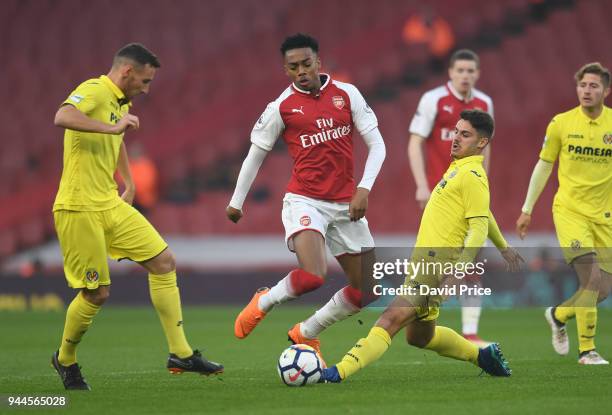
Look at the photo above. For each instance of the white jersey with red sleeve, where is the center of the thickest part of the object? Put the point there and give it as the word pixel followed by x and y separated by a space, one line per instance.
pixel 435 120
pixel 318 131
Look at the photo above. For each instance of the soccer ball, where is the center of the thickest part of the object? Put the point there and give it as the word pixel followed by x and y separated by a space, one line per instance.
pixel 299 365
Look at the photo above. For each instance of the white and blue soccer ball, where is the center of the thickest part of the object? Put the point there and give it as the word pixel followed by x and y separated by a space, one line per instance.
pixel 299 365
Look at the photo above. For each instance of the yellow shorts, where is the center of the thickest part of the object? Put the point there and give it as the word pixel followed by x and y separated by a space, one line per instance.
pixel 579 235
pixel 427 305
pixel 88 238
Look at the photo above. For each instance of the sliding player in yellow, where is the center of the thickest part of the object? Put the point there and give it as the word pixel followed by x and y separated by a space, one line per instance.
pixel 93 221
pixel 455 224
pixel 581 139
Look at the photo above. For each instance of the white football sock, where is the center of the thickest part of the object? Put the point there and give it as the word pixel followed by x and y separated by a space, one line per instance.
pixel 278 294
pixel 470 317
pixel 470 312
pixel 337 309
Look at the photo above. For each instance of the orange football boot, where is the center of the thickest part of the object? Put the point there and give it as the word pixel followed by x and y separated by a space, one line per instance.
pixel 295 336
pixel 250 316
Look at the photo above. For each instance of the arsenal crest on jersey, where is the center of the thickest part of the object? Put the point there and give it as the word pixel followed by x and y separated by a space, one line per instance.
pixel 338 101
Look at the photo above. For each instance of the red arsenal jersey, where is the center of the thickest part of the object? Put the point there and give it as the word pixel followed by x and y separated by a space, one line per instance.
pixel 318 130
pixel 436 118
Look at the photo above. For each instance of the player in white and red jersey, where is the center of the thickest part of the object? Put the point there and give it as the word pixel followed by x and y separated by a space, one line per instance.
pixel 429 147
pixel 316 117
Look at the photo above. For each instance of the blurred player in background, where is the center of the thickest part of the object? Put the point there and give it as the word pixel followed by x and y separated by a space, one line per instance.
pixel 317 117
pixel 430 145
pixel 93 221
pixel 454 226
pixel 581 139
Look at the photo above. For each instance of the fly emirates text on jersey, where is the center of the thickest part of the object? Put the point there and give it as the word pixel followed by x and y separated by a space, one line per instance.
pixel 328 132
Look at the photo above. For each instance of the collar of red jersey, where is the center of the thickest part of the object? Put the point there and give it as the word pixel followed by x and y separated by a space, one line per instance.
pixel 323 85
pixel 478 158
pixel 456 93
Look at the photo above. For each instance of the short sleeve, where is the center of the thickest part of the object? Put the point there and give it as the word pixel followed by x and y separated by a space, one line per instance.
pixel 85 98
pixel 423 121
pixel 364 118
pixel 475 193
pixel 552 142
pixel 268 127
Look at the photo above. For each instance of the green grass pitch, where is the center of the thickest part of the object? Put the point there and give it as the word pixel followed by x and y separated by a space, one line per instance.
pixel 123 358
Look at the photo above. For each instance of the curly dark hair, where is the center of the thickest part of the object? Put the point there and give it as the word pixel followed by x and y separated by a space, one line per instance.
pixel 299 40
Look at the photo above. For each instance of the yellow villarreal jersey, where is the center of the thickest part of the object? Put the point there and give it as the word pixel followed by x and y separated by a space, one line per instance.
pixel 90 159
pixel 584 149
pixel 462 193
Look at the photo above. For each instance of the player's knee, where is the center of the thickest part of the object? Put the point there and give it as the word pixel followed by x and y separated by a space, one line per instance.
pixel 393 319
pixel 162 264
pixel 169 263
pixel 417 341
pixel 97 296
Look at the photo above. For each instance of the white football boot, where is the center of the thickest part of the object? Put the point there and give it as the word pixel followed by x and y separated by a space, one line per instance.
pixel 592 358
pixel 560 341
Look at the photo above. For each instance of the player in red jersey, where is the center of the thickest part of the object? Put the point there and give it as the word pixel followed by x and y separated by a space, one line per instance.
pixel 316 117
pixel 430 145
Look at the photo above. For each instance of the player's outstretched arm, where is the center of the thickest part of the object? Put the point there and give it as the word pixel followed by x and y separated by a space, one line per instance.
pixel 475 239
pixel 512 257
pixel 494 233
pixel 417 166
pixel 248 172
pixel 539 178
pixel 123 166
pixel 71 118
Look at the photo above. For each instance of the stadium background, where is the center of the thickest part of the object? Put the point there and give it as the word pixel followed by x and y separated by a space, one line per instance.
pixel 220 67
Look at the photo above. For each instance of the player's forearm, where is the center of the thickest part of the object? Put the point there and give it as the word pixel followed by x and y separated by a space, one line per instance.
pixel 417 161
pixel 376 156
pixel 476 237
pixel 539 178
pixel 248 172
pixel 123 166
pixel 71 118
pixel 495 234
